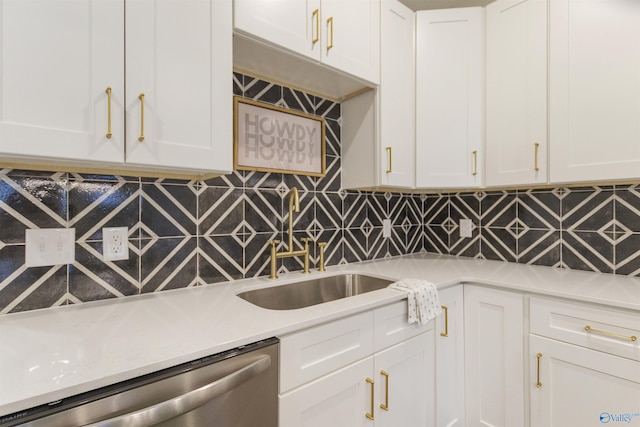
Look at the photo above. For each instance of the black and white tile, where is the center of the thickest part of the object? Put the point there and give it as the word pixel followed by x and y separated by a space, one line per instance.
pixel 190 233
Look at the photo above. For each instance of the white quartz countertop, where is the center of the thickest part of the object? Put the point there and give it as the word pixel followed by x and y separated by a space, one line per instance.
pixel 46 355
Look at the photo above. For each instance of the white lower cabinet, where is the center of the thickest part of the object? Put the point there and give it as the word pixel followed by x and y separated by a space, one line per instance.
pixel 584 365
pixel 396 378
pixel 338 399
pixel 494 357
pixel 391 386
pixel 576 386
pixel 404 383
pixel 449 337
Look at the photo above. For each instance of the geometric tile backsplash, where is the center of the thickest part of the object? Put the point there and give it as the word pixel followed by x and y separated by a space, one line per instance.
pixel 188 233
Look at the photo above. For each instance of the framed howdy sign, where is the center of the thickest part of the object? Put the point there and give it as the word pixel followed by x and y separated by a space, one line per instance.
pixel 274 139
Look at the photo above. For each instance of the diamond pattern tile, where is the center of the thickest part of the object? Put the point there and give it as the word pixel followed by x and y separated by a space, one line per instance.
pixel 436 209
pixel 539 209
pixel 169 263
pixel 586 250
pixel 91 278
pixel 333 132
pixel 169 210
pixel 261 90
pixel 499 209
pixel 627 207
pixel 298 100
pixel 188 233
pixel 221 258
pixel 94 205
pixel 499 244
pixel 31 202
pixel 587 209
pixel 539 247
pixel 627 256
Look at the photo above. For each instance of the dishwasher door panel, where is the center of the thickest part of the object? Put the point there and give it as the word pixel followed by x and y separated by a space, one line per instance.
pixel 233 390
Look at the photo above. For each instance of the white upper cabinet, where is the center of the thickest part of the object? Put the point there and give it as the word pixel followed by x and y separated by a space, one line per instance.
pixel 516 116
pixel 351 36
pixel 397 96
pixel 56 62
pixel 449 98
pixel 342 34
pixel 378 135
pixel 594 74
pixel 291 24
pixel 63 84
pixel 179 56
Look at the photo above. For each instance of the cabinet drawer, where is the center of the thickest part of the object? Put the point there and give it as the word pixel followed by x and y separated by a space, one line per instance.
pixel 611 331
pixel 391 326
pixel 314 352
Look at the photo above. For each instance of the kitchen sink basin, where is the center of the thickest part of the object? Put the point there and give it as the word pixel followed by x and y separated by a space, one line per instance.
pixel 313 291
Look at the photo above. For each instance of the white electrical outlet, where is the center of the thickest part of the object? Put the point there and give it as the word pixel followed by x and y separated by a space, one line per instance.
pixel 386 228
pixel 50 246
pixel 115 243
pixel 466 225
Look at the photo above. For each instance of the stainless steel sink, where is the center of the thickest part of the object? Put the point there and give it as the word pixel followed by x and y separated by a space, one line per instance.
pixel 313 291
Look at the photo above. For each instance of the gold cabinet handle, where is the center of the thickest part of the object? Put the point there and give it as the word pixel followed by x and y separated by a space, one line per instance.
pixel 316 16
pixel 475 162
pixel 610 334
pixel 330 25
pixel 390 169
pixel 385 405
pixel 141 98
pixel 446 322
pixel 369 415
pixel 536 146
pixel 108 92
pixel 539 356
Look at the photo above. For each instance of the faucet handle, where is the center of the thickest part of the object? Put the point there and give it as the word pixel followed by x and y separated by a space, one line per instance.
pixel 306 239
pixel 273 242
pixel 321 246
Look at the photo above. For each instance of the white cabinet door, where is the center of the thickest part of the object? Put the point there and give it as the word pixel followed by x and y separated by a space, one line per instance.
pixel 342 34
pixel 594 74
pixel 450 359
pixel 581 387
pixel 397 96
pixel 291 24
pixel 56 62
pixel 341 399
pixel 494 357
pixel 405 384
pixel 178 55
pixel 351 37
pixel 449 97
pixel 516 120
pixel 378 136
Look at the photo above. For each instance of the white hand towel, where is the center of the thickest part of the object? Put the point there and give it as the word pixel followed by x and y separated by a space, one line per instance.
pixel 423 300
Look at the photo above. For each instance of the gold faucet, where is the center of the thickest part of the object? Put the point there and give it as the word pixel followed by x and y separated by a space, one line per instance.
pixel 294 202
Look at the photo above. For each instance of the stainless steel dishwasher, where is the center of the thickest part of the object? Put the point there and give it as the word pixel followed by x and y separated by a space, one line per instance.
pixel 237 388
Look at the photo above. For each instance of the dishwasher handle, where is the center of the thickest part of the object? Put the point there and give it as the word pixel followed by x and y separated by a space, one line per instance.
pixel 189 401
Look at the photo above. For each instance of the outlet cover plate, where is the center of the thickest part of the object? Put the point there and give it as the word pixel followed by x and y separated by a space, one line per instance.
pixel 50 246
pixel 466 225
pixel 386 228
pixel 115 243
